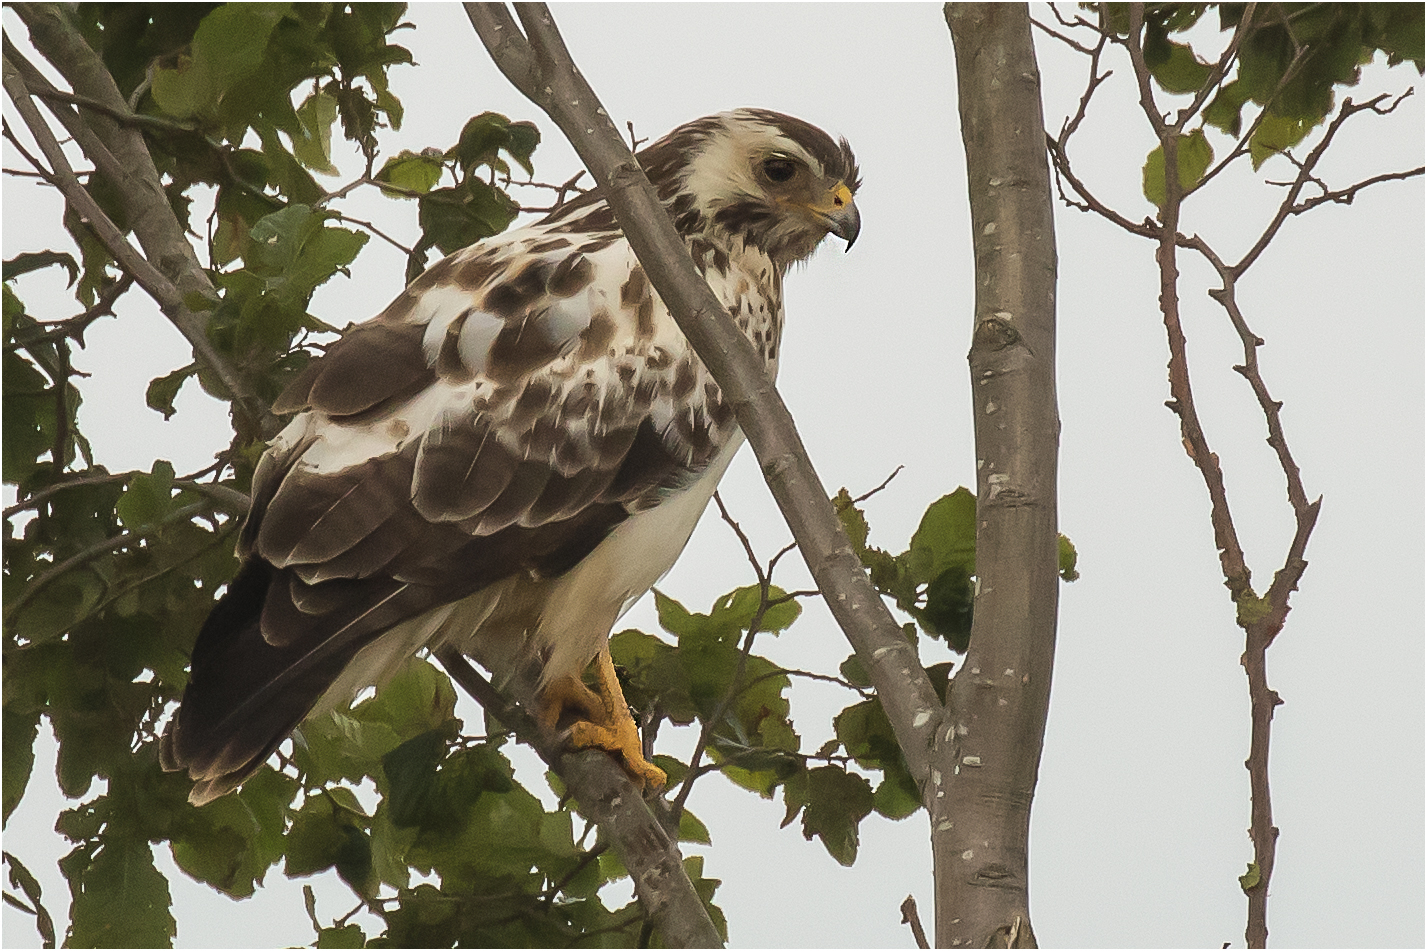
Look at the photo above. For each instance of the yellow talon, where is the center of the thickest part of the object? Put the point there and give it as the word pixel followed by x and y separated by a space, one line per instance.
pixel 606 723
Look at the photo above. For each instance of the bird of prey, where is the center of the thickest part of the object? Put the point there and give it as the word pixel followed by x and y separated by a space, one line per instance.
pixel 507 457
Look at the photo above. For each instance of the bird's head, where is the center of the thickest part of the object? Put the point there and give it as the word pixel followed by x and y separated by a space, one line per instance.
pixel 777 182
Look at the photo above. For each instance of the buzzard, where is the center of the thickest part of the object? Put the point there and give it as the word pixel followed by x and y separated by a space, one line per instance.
pixel 507 457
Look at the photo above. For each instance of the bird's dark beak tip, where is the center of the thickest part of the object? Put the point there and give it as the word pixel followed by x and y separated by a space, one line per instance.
pixel 847 225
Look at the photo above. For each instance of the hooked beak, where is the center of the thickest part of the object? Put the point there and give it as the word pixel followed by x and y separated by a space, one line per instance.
pixel 846 223
pixel 840 214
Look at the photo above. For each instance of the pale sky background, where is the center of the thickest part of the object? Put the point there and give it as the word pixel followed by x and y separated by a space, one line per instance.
pixel 1138 833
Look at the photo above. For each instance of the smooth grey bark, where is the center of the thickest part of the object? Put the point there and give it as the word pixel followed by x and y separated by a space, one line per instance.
pixel 987 757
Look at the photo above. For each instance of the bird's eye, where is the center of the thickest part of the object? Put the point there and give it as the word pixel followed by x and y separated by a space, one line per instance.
pixel 779 170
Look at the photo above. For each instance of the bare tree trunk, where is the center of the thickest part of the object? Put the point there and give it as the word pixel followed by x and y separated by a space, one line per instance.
pixel 988 754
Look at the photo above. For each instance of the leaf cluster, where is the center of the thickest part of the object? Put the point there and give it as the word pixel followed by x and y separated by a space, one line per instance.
pixel 474 207
pixel 1290 60
pixel 739 699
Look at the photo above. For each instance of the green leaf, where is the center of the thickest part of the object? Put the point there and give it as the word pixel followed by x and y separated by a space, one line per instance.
pixel 314 147
pixel 897 796
pixel 1277 134
pixel 20 731
pixel 35 260
pixel 350 745
pixel 61 604
pixel 317 837
pixel 1224 111
pixel 524 138
pixel 121 900
pixel 163 391
pixel 946 537
pixel 1175 67
pixel 353 861
pixel 28 416
pixel 865 732
pixel 148 498
pixel 23 879
pixel 854 523
pixel 295 251
pixel 1066 558
pixel 227 49
pixel 1195 154
pixel 412 171
pixel 853 672
pixel 691 829
pixel 481 141
pixel 454 218
pixel 347 936
pixel 231 842
pixel 705 887
pixel 833 802
pixel 412 795
pixel 1251 878
pixel 949 602
pixel 673 616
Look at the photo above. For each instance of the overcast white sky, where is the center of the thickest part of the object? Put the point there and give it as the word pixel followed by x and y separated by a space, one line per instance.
pixel 1138 830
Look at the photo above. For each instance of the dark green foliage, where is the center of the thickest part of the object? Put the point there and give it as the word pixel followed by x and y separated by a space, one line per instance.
pixel 932 579
pixel 1291 61
pixel 474 208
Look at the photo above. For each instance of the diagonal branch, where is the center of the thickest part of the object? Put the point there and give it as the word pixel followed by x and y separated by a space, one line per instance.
pixel 1290 204
pixel 541 68
pixel 119 149
pixel 158 286
pixel 608 797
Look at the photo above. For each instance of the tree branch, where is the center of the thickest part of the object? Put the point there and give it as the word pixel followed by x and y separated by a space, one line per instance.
pixel 37 584
pixel 914 921
pixel 1289 205
pixel 608 797
pixel 541 68
pixel 989 755
pixel 120 150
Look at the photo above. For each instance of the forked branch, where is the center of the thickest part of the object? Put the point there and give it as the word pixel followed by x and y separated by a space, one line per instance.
pixel 1261 617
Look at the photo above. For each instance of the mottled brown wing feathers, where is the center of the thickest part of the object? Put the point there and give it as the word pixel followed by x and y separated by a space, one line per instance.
pixel 375 362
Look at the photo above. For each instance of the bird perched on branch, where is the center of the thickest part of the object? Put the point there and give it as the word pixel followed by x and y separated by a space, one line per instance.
pixel 507 457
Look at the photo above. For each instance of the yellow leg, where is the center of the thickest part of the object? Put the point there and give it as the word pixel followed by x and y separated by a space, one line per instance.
pixel 606 725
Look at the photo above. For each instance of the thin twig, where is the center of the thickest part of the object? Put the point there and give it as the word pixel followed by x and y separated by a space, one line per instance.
pixel 1305 171
pixel 910 917
pixel 885 482
pixel 37 584
pixel 735 688
pixel 74 327
pixel 373 229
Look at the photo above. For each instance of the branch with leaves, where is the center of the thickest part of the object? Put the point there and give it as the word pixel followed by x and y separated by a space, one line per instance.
pixel 177 282
pixel 1283 65
pixel 608 798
